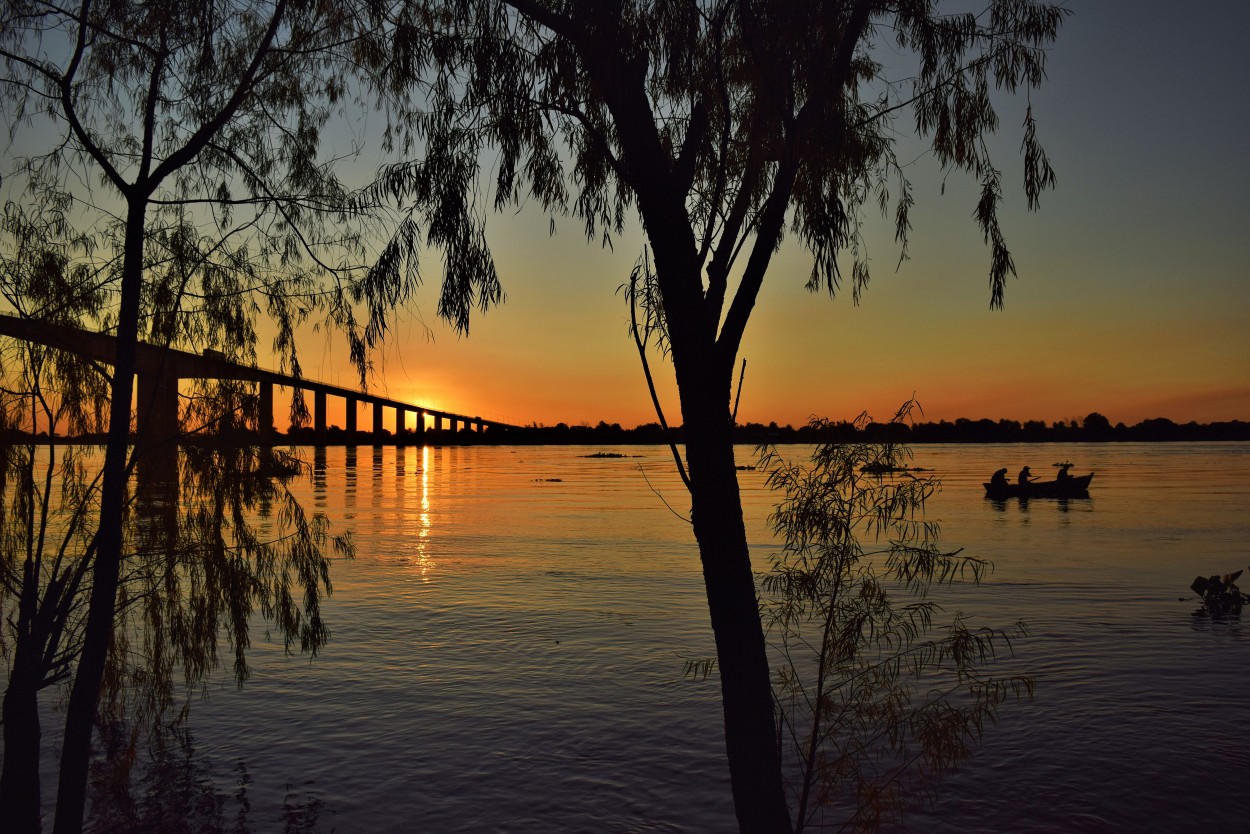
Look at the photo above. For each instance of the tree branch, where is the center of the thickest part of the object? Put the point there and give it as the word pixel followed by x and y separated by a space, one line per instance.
pixel 641 344
pixel 204 133
pixel 767 236
pixel 71 114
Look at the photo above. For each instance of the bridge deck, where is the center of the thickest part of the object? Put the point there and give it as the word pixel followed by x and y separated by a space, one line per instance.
pixel 157 366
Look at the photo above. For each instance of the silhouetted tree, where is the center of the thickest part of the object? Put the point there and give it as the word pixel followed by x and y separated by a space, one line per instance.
pixel 186 137
pixel 877 699
pixel 1096 426
pixel 44 544
pixel 1008 429
pixel 197 568
pixel 722 124
pixel 1157 429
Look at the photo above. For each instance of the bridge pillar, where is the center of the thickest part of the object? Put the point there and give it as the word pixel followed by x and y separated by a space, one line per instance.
pixel 401 421
pixel 351 419
pixel 264 416
pixel 156 418
pixel 156 447
pixel 319 416
pixel 377 424
pixel 481 425
pixel 438 422
pixel 420 427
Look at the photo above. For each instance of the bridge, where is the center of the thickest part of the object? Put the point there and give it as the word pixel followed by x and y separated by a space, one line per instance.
pixel 160 368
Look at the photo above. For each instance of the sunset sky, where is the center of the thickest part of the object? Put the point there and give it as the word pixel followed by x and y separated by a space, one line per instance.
pixel 1131 298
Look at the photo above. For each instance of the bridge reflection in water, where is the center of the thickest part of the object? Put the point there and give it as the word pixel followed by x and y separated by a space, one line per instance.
pixel 159 370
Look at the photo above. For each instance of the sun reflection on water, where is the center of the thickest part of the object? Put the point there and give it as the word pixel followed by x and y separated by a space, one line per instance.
pixel 424 561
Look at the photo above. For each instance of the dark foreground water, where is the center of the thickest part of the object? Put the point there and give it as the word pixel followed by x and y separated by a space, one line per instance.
pixel 508 649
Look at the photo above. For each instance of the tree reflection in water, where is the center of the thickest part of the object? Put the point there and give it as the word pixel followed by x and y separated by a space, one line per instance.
pixel 173 792
pixel 215 538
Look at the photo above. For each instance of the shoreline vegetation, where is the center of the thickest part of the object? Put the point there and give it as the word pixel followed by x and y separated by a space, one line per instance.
pixel 1093 429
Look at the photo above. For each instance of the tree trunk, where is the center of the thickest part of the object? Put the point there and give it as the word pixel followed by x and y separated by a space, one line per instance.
pixel 746 690
pixel 80 713
pixel 19 785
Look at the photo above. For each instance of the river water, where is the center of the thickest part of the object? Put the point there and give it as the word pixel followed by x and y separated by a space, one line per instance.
pixel 508 648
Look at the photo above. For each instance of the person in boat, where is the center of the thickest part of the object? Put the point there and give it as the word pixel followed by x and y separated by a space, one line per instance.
pixel 1063 473
pixel 1025 477
pixel 999 478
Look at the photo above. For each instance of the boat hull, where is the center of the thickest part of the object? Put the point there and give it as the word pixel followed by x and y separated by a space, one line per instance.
pixel 1067 488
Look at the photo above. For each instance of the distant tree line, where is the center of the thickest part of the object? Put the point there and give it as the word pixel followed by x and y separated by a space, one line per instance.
pixel 1095 428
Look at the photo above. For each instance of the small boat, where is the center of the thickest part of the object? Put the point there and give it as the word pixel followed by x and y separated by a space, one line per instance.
pixel 1065 488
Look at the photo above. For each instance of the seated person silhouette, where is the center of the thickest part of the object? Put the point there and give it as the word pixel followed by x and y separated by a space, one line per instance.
pixel 1025 477
pixel 1063 472
pixel 999 478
